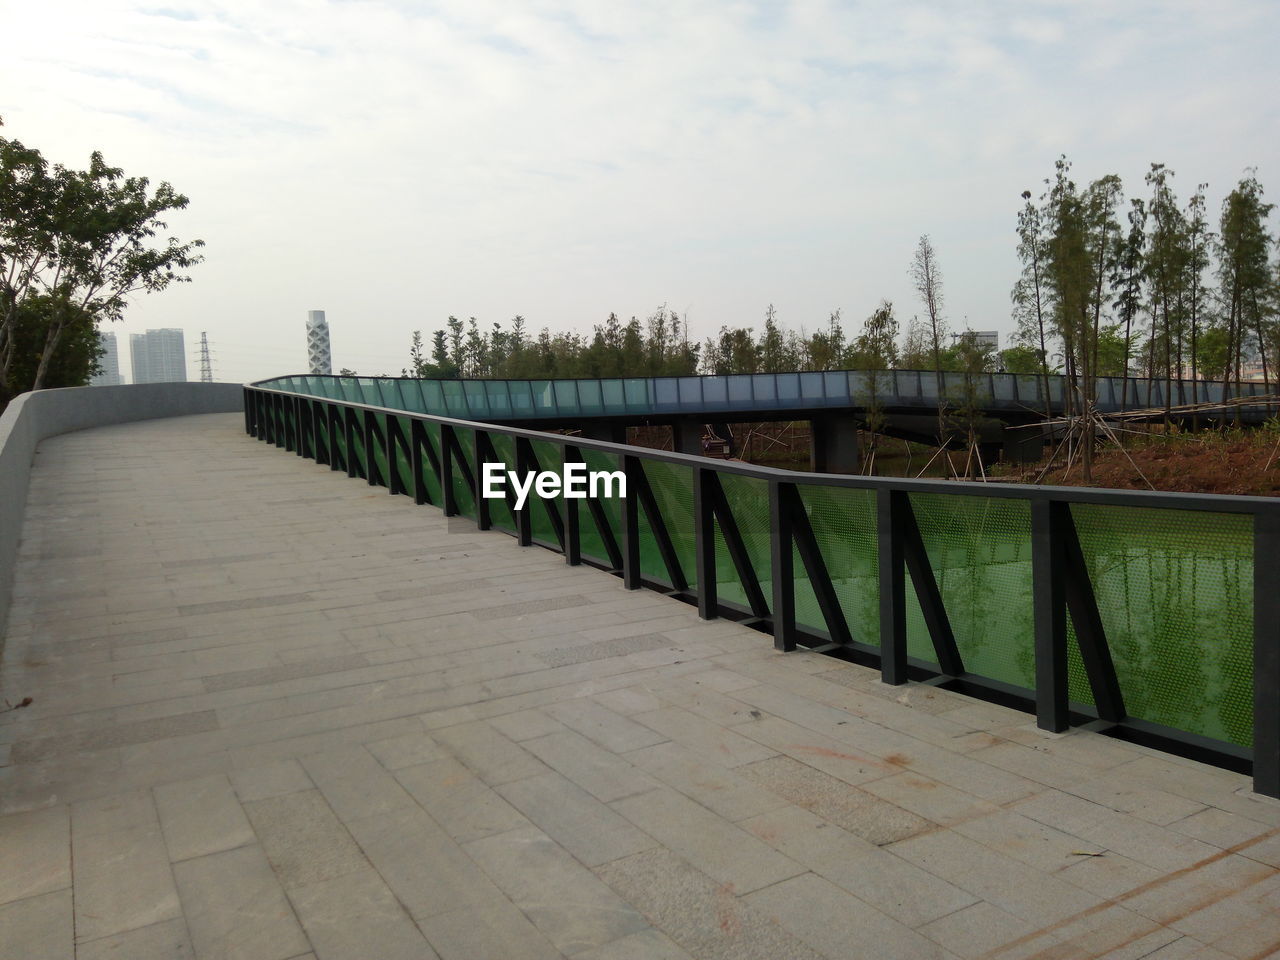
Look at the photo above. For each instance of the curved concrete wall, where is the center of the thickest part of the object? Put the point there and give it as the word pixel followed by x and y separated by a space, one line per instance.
pixel 32 417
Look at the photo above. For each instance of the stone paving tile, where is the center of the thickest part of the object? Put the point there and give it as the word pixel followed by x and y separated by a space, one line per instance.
pixel 141 731
pixel 1022 890
pixel 719 849
pixel 703 917
pixel 838 924
pixel 289 671
pixel 603 774
pixel 1157 847
pixel 167 940
pixel 979 930
pixel 604 649
pixel 304 841
pixel 201 817
pixel 114 838
pixel 42 924
pixel 716 787
pixel 270 780
pixel 576 820
pixel 459 801
pixel 526 725
pixel 705 737
pixel 355 917
pixel 493 757
pixel 649 944
pixel 524 608
pixel 862 814
pixel 405 751
pixel 610 730
pixel 584 913
pixel 235 907
pixel 41 842
pixel 499 930
pixel 895 887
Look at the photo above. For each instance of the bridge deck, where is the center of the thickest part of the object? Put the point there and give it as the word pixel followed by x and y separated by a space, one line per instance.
pixel 278 714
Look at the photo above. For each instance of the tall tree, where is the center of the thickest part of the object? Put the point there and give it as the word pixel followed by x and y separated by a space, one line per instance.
pixel 84 241
pixel 1029 292
pixel 1127 278
pixel 926 275
pixel 1244 271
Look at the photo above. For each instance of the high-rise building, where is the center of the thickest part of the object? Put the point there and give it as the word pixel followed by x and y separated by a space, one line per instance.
pixel 109 362
pixel 319 357
pixel 159 356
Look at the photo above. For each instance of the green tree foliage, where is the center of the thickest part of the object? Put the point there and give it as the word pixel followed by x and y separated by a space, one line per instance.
pixel 1246 282
pixel 74 245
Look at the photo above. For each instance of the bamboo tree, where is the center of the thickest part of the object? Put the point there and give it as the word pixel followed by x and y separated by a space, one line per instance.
pixel 1028 293
pixel 1244 271
pixel 927 277
pixel 1127 279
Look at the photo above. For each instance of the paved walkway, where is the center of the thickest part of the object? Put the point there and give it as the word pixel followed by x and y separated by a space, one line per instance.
pixel 277 714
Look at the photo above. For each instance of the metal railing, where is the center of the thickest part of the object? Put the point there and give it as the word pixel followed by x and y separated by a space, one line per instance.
pixel 1152 616
pixel 716 396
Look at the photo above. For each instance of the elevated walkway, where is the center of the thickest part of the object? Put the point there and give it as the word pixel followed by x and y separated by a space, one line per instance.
pixel 277 713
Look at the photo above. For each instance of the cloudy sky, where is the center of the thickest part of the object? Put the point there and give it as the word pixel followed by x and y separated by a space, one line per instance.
pixel 395 162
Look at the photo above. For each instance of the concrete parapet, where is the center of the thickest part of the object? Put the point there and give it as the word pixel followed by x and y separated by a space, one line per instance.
pixel 34 416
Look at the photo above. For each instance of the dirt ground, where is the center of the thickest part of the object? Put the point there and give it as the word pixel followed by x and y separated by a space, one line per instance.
pixel 1188 463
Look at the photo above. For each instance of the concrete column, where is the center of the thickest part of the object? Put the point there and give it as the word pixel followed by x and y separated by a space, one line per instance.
pixel 687 437
pixel 608 432
pixel 834 446
pixel 1022 445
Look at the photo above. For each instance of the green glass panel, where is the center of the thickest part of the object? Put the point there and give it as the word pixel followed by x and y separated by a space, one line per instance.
pixel 1175 593
pixel 672 487
pixel 549 458
pixel 461 491
pixel 404 465
pixel 748 500
pixel 499 512
pixel 980 551
pixel 592 545
pixel 844 525
pixel 429 475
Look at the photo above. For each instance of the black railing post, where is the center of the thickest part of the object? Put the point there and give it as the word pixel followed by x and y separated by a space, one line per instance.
pixel 704 536
pixel 484 517
pixel 1050 615
pixel 300 445
pixel 523 518
pixel 631 525
pixel 418 439
pixel 450 505
pixel 572 529
pixel 319 433
pixel 782 569
pixel 334 418
pixel 893 586
pixel 1266 652
pixel 370 448
pixel 248 410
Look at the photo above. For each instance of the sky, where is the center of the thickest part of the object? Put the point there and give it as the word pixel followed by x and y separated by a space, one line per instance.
pixel 392 163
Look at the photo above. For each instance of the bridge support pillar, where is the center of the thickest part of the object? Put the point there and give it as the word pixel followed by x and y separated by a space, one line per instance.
pixel 687 437
pixel 834 444
pixel 1022 445
pixel 608 432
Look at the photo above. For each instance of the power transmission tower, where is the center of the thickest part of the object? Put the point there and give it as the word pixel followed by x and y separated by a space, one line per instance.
pixel 206 362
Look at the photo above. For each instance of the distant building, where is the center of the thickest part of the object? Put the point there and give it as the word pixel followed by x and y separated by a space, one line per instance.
pixel 109 362
pixel 159 356
pixel 319 356
pixel 987 338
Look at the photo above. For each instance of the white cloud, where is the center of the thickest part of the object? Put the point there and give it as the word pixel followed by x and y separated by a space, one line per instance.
pixel 396 162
